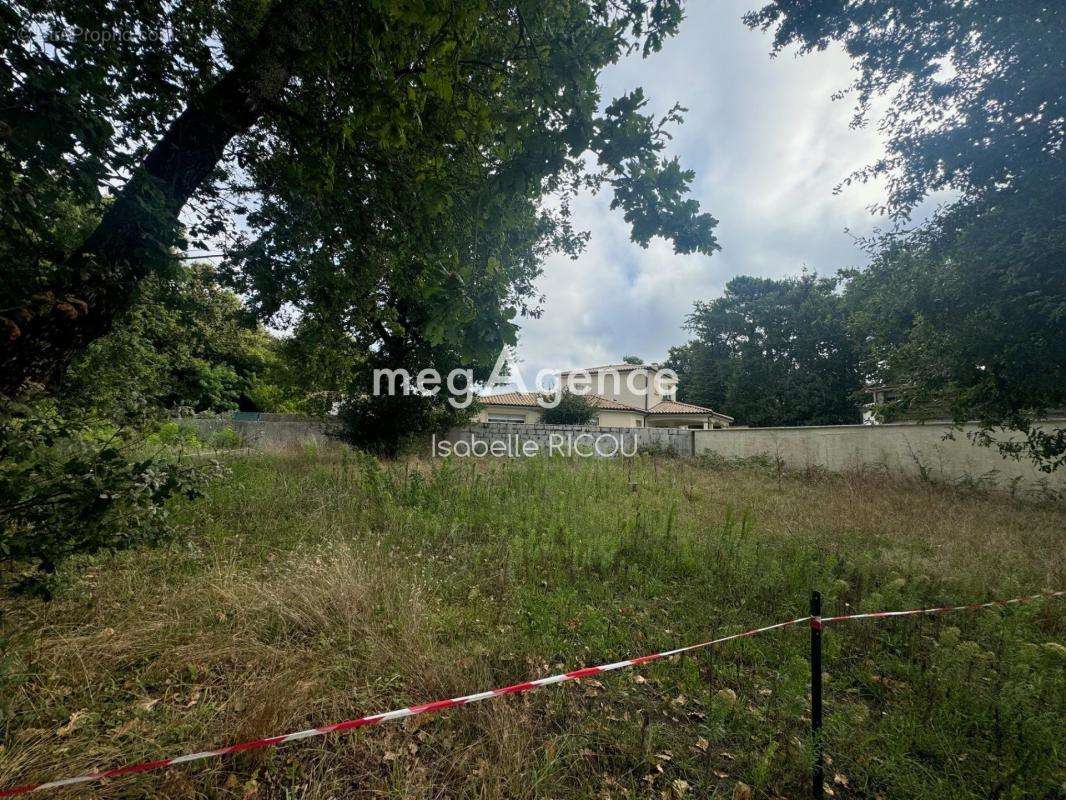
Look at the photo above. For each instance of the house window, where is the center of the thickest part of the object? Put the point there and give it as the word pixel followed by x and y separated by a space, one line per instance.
pixel 503 418
pixel 640 423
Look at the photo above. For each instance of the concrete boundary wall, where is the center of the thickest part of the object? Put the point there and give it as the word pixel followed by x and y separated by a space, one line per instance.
pixel 285 430
pixel 911 449
pixel 563 439
pixel 269 431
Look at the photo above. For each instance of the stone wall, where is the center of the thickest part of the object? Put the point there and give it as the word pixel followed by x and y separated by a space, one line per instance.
pixel 285 430
pixel 268 431
pixel 516 439
pixel 918 450
pixel 905 448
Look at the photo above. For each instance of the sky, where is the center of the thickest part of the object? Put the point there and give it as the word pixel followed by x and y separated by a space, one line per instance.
pixel 768 145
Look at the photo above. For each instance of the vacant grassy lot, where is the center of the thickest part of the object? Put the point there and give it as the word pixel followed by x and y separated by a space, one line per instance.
pixel 312 588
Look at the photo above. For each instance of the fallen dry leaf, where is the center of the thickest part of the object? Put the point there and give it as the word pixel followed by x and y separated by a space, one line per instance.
pixel 72 723
pixel 125 727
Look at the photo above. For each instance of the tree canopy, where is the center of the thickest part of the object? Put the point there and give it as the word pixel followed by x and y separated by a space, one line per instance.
pixel 571 409
pixel 966 313
pixel 977 90
pixel 186 342
pixel 771 352
pixel 967 316
pixel 379 163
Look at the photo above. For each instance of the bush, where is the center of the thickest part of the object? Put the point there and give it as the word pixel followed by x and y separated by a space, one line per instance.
pixel 388 425
pixel 225 439
pixel 175 434
pixel 573 409
pixel 76 485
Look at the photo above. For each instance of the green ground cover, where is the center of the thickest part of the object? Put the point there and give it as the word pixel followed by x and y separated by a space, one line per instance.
pixel 312 587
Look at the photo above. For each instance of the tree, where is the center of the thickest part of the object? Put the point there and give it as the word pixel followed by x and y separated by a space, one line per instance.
pixel 704 373
pixel 572 409
pixel 383 423
pixel 356 156
pixel 977 89
pixel 966 315
pixel 185 342
pixel 966 312
pixel 772 352
pixel 632 360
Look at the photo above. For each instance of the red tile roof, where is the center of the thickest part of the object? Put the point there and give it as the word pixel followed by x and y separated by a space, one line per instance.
pixel 509 399
pixel 676 407
pixel 528 400
pixel 607 404
pixel 616 367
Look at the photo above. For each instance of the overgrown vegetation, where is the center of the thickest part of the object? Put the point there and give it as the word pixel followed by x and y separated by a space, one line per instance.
pixel 317 587
pixel 186 343
pixel 72 485
pixel 389 425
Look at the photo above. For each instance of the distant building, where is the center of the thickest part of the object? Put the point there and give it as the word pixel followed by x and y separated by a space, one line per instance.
pixel 885 406
pixel 880 397
pixel 624 396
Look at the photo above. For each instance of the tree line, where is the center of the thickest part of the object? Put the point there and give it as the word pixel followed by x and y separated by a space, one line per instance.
pixel 965 314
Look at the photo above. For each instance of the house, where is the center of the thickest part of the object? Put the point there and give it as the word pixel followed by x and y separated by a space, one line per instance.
pixel 888 404
pixel 881 396
pixel 624 396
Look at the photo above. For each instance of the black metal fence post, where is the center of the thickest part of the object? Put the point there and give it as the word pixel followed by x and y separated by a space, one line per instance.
pixel 818 768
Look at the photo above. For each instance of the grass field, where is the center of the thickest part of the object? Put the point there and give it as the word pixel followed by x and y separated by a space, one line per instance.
pixel 314 587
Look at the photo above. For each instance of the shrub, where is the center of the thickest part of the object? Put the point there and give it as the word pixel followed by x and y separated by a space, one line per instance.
pixel 573 409
pixel 175 434
pixel 225 439
pixel 388 425
pixel 75 485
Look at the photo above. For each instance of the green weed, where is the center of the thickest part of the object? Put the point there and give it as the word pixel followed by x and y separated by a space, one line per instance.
pixel 318 586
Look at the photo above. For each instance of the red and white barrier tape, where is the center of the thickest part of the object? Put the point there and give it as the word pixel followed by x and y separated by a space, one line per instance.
pixel 441 705
pixel 943 609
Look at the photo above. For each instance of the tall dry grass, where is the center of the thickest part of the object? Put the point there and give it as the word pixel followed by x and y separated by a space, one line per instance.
pixel 317 587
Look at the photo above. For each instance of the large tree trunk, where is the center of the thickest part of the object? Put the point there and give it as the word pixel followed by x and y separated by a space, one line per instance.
pixel 136 234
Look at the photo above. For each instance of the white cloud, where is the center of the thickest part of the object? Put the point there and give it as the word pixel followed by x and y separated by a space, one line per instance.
pixel 768 145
